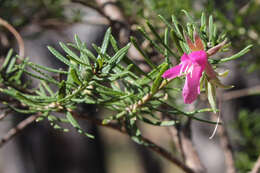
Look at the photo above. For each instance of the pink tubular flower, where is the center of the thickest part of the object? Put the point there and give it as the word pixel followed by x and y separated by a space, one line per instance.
pixel 192 65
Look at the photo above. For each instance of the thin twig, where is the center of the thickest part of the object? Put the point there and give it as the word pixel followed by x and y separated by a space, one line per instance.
pixel 97 9
pixel 3 115
pixel 224 142
pixel 16 130
pixel 16 35
pixel 256 167
pixel 187 149
pixel 120 25
pixel 161 151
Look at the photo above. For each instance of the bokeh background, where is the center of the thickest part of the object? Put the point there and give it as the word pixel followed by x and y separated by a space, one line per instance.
pixel 40 148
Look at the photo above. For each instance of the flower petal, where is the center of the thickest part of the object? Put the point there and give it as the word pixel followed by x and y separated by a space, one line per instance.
pixel 191 87
pixel 210 71
pixel 199 57
pixel 172 72
pixel 184 57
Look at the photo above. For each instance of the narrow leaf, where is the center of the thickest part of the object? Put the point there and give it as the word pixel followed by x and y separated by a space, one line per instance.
pixel 59 56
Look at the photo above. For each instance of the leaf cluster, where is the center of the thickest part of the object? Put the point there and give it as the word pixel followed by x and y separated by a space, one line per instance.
pixel 109 78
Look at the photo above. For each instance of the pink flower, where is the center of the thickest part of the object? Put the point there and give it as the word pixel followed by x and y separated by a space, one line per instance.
pixel 192 65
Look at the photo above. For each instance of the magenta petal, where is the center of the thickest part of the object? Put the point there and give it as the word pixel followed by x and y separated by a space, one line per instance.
pixel 172 72
pixel 184 57
pixel 199 57
pixel 191 86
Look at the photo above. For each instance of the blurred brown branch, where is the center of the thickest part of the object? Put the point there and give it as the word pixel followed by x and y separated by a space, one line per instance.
pixel 3 115
pixel 224 140
pixel 241 93
pixel 185 146
pixel 161 151
pixel 256 167
pixel 16 35
pixel 17 129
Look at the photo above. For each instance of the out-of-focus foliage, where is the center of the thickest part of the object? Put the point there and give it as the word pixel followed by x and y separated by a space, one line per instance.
pixel 249 143
pixel 20 12
pixel 241 22
pixel 148 8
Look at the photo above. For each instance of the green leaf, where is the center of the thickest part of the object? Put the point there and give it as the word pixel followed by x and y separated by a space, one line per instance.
pixel 211 28
pixel 76 125
pixel 188 16
pixel 41 118
pixel 47 88
pixel 119 55
pixel 203 23
pixel 78 41
pixel 41 78
pixel 105 42
pixel 237 55
pixel 23 111
pixel 46 68
pixel 159 39
pixel 113 117
pixel 77 60
pixel 68 51
pixel 59 56
pixel 176 41
pixel 159 79
pixel 116 58
pixel 151 76
pixel 166 42
pixel 156 122
pixel 177 27
pixel 89 54
pixel 11 65
pixel 47 77
pixel 114 43
pixel 165 21
pixel 62 90
pixel 159 49
pixel 143 53
pixel 211 92
pixel 135 68
pixel 174 111
pixel 7 59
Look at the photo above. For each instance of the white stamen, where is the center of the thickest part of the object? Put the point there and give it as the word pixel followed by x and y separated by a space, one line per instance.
pixel 191 70
pixel 216 127
pixel 186 69
pixel 182 66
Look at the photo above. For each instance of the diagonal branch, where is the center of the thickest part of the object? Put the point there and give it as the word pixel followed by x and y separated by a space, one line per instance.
pixel 161 151
pixel 225 141
pixel 256 167
pixel 186 148
pixel 16 35
pixel 17 129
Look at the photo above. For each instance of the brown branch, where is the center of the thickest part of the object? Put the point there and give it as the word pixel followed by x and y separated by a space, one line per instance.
pixel 119 23
pixel 3 115
pixel 16 35
pixel 16 130
pixel 256 167
pixel 186 147
pixel 97 9
pixel 224 142
pixel 241 93
pixel 161 151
